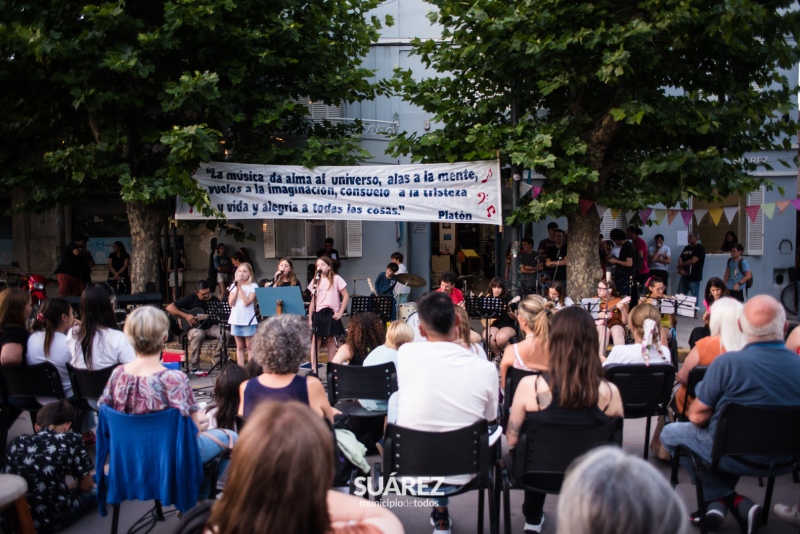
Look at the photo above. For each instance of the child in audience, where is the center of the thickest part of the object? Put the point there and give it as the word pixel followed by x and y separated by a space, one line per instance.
pixel 226 395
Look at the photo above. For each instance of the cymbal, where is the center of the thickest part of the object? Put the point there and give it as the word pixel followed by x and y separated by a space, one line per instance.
pixel 465 277
pixel 411 280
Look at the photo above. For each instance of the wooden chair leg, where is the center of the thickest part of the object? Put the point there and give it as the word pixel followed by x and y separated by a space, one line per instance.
pixel 24 516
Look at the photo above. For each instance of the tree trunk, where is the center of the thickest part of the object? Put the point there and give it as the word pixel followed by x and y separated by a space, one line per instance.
pixel 583 254
pixel 146 221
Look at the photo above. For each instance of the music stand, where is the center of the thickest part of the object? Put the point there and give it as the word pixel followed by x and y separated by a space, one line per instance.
pixel 485 308
pixel 220 311
pixel 291 296
pixel 686 305
pixel 591 305
pixel 379 304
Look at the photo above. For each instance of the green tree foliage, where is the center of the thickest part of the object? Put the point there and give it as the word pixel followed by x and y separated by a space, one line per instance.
pixel 621 102
pixel 132 96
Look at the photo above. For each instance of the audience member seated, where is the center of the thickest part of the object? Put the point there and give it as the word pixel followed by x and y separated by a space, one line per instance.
pixel 397 335
pixel 725 336
pixel 442 386
pixel 226 397
pixel 534 315
pixel 644 321
pixel 97 343
pixel 612 315
pixel 715 290
pixel 504 327
pixel 45 459
pixel 145 386
pixel 280 480
pixel 253 368
pixel 468 338
pixel 607 490
pixel 558 295
pixel 365 332
pixel 280 345
pixel 763 373
pixel 573 391
pixel 48 342
pixel 15 308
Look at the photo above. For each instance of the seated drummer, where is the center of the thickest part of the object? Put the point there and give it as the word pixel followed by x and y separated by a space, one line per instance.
pixel 655 296
pixel 385 282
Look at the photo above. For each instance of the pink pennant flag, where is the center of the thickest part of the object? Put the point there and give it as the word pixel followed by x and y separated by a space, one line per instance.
pixel 645 214
pixel 535 191
pixel 782 205
pixel 796 203
pixel 585 206
pixel 752 212
pixel 686 215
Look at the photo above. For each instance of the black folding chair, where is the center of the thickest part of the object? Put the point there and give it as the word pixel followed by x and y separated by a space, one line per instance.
pixel 645 389
pixel 349 383
pixel 761 438
pixel 545 451
pixel 23 383
pixel 513 377
pixel 88 385
pixel 414 453
pixel 696 375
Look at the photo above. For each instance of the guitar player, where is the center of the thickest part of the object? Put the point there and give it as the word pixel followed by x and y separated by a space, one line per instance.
pixel 190 310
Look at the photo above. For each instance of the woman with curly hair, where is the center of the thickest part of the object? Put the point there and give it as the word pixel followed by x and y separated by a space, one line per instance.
pixel 365 332
pixel 281 343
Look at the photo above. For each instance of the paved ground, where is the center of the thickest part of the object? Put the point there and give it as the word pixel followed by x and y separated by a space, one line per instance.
pixel 464 508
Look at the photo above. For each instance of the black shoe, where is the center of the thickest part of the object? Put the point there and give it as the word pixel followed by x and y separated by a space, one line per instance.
pixel 715 516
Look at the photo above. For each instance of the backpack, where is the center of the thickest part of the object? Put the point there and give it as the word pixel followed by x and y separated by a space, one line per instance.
pixel 749 283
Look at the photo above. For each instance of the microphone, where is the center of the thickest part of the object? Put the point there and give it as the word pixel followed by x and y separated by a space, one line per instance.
pixel 233 285
pixel 608 275
pixel 319 274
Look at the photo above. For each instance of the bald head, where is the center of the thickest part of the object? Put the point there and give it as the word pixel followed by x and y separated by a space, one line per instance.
pixel 763 319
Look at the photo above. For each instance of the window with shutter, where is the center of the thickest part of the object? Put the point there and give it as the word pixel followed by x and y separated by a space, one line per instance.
pixel 609 223
pixel 302 238
pixel 754 246
pixel 353 230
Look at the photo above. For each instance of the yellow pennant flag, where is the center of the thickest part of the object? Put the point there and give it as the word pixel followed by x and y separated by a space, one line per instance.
pixel 659 215
pixel 716 215
pixel 615 213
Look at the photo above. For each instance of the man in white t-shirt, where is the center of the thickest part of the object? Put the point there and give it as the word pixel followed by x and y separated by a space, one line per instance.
pixel 441 385
pixel 401 291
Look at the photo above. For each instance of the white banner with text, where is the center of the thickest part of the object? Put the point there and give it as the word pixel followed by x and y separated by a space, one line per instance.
pixel 454 192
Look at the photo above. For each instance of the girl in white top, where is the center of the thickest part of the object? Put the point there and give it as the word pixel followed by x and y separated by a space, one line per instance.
pixel 328 304
pixel 644 320
pixel 48 343
pixel 558 296
pixel 242 298
pixel 97 342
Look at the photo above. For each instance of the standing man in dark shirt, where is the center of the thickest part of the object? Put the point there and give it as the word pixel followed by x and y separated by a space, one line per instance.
pixel 623 264
pixel 690 266
pixel 549 241
pixel 527 264
pixel 200 330
pixel 76 264
pixel 332 253
pixel 557 258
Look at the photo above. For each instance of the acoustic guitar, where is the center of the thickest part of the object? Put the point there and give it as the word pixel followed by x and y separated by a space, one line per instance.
pixel 182 325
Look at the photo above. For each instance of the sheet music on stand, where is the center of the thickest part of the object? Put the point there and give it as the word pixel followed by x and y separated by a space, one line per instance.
pixel 592 305
pixel 686 304
pixel 219 310
pixel 378 304
pixel 485 307
pixel 667 306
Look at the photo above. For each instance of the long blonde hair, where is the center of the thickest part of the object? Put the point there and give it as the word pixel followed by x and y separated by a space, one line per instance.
pixel 538 313
pixel 249 268
pixel 640 314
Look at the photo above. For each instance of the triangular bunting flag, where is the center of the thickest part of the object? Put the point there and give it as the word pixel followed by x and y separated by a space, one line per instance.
pixel 585 205
pixel 601 210
pixel 660 214
pixel 730 213
pixel 644 214
pixel 752 212
pixel 671 214
pixel 782 205
pixel 795 203
pixel 615 213
pixel 686 215
pixel 716 215
pixel 535 191
pixel 769 209
pixel 629 215
pixel 524 188
pixel 699 214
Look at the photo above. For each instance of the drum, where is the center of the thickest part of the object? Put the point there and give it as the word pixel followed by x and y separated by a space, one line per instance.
pixel 406 310
pixel 413 322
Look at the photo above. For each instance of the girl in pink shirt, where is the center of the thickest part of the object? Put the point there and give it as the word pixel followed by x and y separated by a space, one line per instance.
pixel 326 310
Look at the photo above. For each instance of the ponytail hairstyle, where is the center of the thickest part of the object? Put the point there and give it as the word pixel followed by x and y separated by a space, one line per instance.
pixel 49 319
pixel 537 312
pixel 645 321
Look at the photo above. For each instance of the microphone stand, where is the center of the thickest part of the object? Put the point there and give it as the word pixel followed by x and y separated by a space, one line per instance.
pixel 555 271
pixel 314 340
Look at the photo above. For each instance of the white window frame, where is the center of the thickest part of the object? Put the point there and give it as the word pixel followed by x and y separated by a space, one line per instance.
pixel 347 237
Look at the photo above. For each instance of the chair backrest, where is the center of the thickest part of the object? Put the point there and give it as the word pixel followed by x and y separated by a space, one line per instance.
pixel 26 381
pixel 88 384
pixel 645 389
pixel 513 377
pixel 545 450
pixel 409 452
pixel 762 437
pixel 696 376
pixel 376 382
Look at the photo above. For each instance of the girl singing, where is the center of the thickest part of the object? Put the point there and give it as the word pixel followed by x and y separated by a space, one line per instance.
pixel 328 304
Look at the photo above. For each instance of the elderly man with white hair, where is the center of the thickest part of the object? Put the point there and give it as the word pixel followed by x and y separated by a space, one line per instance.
pixel 763 373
